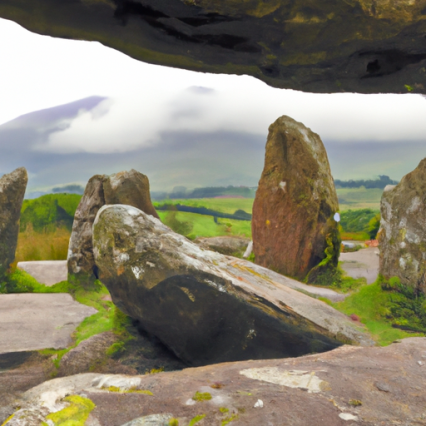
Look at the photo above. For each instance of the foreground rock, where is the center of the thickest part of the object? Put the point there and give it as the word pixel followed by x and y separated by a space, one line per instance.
pixel 347 386
pixel 130 188
pixel 231 246
pixel 292 222
pixel 326 46
pixel 402 234
pixel 31 321
pixel 12 191
pixel 204 306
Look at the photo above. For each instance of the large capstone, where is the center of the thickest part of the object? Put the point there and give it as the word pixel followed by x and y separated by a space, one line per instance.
pixel 293 224
pixel 402 234
pixel 12 191
pixel 128 187
pixel 205 306
pixel 367 46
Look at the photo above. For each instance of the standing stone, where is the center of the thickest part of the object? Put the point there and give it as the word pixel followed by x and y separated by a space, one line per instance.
pixel 402 234
pixel 293 225
pixel 12 191
pixel 131 188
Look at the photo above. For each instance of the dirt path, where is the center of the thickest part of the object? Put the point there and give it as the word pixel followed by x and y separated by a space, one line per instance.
pixel 47 272
pixel 362 263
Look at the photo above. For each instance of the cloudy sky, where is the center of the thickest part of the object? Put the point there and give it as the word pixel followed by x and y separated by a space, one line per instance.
pixel 71 109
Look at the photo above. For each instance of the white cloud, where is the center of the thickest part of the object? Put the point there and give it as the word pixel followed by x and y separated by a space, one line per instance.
pixel 147 100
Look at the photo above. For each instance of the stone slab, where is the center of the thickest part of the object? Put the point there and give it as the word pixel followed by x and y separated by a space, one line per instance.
pixel 38 321
pixel 47 272
pixel 361 263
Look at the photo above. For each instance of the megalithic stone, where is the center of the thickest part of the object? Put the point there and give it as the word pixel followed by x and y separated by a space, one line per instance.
pixel 12 191
pixel 293 225
pixel 205 306
pixel 127 187
pixel 402 233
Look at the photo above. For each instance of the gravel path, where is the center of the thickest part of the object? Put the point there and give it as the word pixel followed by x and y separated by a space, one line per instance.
pixel 47 272
pixel 362 263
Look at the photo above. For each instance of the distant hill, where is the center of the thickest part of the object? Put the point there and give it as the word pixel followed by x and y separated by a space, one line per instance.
pixel 368 184
pixel 181 192
pixel 49 212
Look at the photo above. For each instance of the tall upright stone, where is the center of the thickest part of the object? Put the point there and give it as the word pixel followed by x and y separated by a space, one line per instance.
pixel 12 191
pixel 402 233
pixel 127 187
pixel 293 224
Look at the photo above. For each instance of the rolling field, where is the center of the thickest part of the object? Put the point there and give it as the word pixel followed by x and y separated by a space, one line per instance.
pixel 359 198
pixel 204 226
pixel 224 205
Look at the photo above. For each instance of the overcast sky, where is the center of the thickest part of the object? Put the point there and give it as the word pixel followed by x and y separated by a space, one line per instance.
pixel 178 127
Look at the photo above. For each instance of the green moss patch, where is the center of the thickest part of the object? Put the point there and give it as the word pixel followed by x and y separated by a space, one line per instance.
pixel 202 396
pixel 75 414
pixel 382 311
pixel 196 419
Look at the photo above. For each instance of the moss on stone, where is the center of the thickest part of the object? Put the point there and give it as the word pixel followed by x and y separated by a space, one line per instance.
pixel 131 390
pixel 202 396
pixel 8 419
pixel 75 414
pixel 196 419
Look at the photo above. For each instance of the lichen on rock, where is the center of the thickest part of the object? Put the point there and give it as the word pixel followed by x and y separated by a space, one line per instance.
pixel 402 233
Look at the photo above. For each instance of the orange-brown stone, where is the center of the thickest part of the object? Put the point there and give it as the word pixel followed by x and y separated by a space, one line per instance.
pixel 293 223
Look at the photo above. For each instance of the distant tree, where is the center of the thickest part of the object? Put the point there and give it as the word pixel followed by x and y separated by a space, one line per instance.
pixel 368 184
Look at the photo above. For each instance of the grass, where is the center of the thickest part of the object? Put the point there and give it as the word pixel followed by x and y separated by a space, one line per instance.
pixel 371 303
pixel 354 236
pixel 45 245
pixel 205 226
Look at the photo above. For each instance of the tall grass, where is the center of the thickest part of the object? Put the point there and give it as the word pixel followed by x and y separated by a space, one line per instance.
pixel 45 245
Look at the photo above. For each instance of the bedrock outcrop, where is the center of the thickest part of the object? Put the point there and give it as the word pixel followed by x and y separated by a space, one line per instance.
pixel 402 234
pixel 12 191
pixel 347 386
pixel 204 306
pixel 127 187
pixel 293 225
pixel 330 46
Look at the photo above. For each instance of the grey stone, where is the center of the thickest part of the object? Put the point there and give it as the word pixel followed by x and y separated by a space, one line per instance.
pixel 127 187
pixel 152 420
pixel 402 233
pixel 382 386
pixel 207 307
pixel 12 191
pixel 86 354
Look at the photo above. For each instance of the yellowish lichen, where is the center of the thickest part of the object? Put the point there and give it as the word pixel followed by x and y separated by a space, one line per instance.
pixel 131 390
pixel 196 419
pixel 202 396
pixel 75 414
pixel 7 420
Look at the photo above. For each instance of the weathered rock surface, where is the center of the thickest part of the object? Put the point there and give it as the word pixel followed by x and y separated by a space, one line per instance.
pixel 317 46
pixel 292 223
pixel 12 191
pixel 231 246
pixel 130 188
pixel 402 234
pixel 87 354
pixel 204 306
pixel 31 321
pixel 347 386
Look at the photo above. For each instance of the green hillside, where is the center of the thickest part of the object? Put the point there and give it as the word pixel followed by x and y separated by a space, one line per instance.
pixel 49 212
